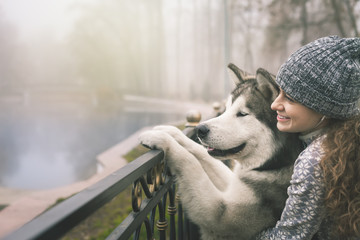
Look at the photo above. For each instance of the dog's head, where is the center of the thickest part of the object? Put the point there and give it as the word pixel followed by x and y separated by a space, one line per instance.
pixel 246 131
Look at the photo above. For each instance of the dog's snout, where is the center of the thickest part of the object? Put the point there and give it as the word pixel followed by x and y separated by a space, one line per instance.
pixel 202 130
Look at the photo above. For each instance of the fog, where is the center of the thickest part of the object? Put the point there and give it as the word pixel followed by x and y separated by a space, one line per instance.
pixel 175 49
pixel 65 67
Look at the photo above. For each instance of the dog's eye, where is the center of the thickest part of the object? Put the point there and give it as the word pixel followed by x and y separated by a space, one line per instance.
pixel 241 114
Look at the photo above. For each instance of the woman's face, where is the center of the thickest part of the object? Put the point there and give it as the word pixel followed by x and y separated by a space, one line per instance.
pixel 294 117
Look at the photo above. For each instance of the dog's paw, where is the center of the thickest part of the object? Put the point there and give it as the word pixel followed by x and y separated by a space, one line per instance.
pixel 171 130
pixel 155 139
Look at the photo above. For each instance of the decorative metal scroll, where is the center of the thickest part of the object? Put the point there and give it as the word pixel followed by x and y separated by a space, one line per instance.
pixel 147 186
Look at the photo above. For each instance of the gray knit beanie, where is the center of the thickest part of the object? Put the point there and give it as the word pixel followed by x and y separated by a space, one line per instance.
pixel 324 75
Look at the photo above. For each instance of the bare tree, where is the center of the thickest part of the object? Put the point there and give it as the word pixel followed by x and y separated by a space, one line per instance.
pixel 337 13
pixel 350 12
pixel 304 21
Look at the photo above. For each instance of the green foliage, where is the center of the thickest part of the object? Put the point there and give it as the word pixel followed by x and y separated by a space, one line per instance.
pixel 135 153
pixel 103 221
pixel 2 206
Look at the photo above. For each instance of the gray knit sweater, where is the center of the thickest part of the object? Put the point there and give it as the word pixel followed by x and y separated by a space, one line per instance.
pixel 303 215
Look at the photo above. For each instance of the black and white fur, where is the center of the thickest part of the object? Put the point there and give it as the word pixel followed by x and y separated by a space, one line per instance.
pixel 233 203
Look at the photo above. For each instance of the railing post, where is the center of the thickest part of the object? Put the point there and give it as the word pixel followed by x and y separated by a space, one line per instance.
pixel 193 118
pixel 180 224
pixel 217 108
pixel 172 211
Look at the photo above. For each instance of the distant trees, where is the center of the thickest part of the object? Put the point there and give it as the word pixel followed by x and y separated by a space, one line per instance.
pixel 180 49
pixel 297 22
pixel 173 49
pixel 155 48
pixel 116 45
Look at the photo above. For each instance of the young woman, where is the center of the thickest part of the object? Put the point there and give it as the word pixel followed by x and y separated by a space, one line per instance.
pixel 319 98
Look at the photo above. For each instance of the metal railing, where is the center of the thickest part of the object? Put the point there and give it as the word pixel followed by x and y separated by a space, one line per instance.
pixel 149 177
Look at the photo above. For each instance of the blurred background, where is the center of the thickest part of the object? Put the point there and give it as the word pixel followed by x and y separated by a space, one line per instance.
pixel 78 76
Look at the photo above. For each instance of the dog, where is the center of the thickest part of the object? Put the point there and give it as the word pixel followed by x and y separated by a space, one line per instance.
pixel 233 203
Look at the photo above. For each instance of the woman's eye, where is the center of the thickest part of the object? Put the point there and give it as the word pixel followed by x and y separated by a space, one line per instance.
pixel 283 94
pixel 241 114
pixel 289 98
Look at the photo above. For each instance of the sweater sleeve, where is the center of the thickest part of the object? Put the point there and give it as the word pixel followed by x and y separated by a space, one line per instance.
pixel 304 208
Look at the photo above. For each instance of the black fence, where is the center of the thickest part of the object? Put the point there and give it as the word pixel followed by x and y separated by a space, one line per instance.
pixel 150 179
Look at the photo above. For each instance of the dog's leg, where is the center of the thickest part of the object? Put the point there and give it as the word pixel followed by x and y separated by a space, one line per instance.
pixel 205 203
pixel 218 172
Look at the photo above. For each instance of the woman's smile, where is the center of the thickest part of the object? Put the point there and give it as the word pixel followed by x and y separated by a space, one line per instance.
pixel 292 116
pixel 282 118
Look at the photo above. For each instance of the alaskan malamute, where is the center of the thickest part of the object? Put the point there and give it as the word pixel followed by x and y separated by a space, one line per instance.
pixel 238 203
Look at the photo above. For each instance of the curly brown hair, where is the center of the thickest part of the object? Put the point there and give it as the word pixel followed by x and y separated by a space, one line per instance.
pixel 341 168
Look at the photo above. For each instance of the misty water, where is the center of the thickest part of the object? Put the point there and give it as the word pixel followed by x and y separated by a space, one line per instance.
pixel 52 145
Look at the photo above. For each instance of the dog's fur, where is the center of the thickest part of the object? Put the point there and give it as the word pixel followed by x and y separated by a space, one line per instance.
pixel 238 203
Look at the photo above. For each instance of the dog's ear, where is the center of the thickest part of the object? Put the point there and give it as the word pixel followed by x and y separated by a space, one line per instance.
pixel 266 84
pixel 237 75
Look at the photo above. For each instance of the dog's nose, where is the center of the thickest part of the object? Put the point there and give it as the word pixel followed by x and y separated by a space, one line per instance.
pixel 202 130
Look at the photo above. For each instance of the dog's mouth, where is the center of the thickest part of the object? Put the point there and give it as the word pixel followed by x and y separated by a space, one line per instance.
pixel 219 152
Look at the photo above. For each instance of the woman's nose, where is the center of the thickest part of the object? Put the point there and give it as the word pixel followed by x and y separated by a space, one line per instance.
pixel 276 104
